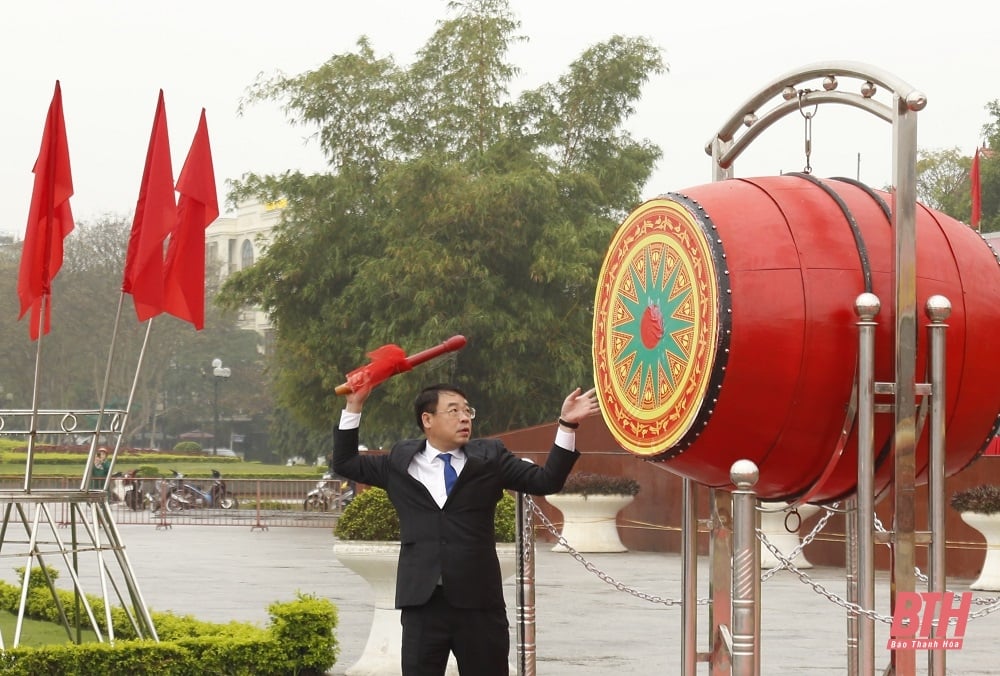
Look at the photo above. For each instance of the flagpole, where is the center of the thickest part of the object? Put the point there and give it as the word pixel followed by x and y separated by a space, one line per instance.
pixel 33 429
pixel 44 308
pixel 102 402
pixel 131 393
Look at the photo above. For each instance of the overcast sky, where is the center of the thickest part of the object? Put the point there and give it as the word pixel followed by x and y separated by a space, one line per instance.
pixel 113 57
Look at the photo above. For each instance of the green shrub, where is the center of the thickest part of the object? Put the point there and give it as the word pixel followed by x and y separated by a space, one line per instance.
pixel 188 447
pixel 136 658
pixel 982 499
pixel 148 472
pixel 505 523
pixel 585 483
pixel 304 629
pixel 299 640
pixel 372 516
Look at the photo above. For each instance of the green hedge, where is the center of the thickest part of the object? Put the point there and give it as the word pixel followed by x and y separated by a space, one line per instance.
pixel 299 640
pixel 15 457
pixel 372 516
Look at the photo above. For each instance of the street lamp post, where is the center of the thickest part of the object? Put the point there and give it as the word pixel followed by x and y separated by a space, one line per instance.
pixel 219 373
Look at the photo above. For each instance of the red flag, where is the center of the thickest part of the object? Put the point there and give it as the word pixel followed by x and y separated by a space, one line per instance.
pixel 977 205
pixel 49 219
pixel 155 215
pixel 198 206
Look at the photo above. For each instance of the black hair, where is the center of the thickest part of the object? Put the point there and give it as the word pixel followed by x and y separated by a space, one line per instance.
pixel 426 401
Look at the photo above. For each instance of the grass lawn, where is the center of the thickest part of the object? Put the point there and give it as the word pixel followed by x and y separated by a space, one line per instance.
pixel 38 633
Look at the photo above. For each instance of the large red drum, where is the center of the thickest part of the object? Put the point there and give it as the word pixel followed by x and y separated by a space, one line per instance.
pixel 724 328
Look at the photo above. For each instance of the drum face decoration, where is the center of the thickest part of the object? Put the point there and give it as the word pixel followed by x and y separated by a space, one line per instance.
pixel 724 328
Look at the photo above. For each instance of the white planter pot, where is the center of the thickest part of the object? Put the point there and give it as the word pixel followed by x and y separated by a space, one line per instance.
pixel 376 563
pixel 589 523
pixel 989 526
pixel 772 524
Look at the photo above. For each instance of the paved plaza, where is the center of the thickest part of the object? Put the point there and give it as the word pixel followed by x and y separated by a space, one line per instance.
pixel 584 624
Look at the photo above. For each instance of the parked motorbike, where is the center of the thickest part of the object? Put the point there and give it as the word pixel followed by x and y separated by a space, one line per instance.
pixel 116 489
pixel 329 491
pixel 184 495
pixel 133 495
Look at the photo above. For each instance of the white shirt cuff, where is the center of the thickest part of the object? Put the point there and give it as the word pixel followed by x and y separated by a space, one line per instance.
pixel 565 438
pixel 349 421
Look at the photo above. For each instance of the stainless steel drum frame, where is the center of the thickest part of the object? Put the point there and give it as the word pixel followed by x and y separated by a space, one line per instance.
pixel 734 638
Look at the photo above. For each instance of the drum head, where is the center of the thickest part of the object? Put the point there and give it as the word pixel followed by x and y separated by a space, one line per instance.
pixel 658 338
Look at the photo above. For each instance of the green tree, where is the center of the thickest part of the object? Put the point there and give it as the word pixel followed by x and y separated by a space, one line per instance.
pixel 450 208
pixel 989 170
pixel 291 438
pixel 943 181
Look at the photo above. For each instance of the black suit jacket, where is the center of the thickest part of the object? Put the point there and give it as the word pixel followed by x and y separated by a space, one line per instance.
pixel 454 543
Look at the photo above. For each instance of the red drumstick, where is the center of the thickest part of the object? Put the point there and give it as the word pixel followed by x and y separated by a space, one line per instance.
pixel 389 360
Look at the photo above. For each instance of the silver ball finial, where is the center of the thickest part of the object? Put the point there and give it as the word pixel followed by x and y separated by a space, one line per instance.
pixel 829 83
pixel 744 474
pixel 937 308
pixel 916 101
pixel 867 305
pixel 868 89
pixel 749 119
pixel 788 93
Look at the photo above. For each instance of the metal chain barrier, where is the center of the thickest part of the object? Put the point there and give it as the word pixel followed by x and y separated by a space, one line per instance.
pixel 604 577
pixel 992 605
pixel 820 525
pixel 786 563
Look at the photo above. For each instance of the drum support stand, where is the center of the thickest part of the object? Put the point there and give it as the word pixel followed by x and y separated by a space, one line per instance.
pixel 728 539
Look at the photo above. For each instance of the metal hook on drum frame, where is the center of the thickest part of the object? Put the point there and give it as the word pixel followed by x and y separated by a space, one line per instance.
pixel 807 116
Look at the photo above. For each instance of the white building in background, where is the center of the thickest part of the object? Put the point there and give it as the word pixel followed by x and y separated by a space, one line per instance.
pixel 234 243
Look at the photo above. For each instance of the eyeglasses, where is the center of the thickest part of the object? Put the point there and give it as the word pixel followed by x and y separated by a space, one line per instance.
pixel 455 412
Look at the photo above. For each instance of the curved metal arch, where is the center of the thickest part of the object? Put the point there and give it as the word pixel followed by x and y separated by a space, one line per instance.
pixel 914 99
pixel 811 98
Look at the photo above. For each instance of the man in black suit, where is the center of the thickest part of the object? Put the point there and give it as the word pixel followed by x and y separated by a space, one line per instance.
pixel 445 488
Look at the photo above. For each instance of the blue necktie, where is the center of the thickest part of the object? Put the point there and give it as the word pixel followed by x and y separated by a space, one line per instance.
pixel 450 475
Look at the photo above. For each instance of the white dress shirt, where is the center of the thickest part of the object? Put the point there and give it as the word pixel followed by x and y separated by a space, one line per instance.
pixel 427 468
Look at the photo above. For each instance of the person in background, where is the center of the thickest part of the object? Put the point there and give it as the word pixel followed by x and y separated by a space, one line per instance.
pixel 445 488
pixel 99 472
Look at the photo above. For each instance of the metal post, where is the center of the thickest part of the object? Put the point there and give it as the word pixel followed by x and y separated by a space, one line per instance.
pixel 689 579
pixel 525 587
pixel 904 214
pixel 851 574
pixel 866 306
pixel 746 570
pixel 215 427
pixel 938 309
pixel 720 613
pixel 218 373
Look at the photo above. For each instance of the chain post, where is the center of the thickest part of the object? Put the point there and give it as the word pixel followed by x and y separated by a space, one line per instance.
pixel 746 570
pixel 526 649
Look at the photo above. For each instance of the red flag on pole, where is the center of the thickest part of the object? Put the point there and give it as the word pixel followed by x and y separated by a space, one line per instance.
pixel 155 215
pixel 198 206
pixel 49 219
pixel 977 205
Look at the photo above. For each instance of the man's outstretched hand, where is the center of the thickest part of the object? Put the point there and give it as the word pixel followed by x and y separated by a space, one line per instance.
pixel 579 405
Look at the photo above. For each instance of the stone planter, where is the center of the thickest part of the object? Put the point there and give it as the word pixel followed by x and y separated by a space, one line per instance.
pixel 772 524
pixel 376 563
pixel 989 526
pixel 589 523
